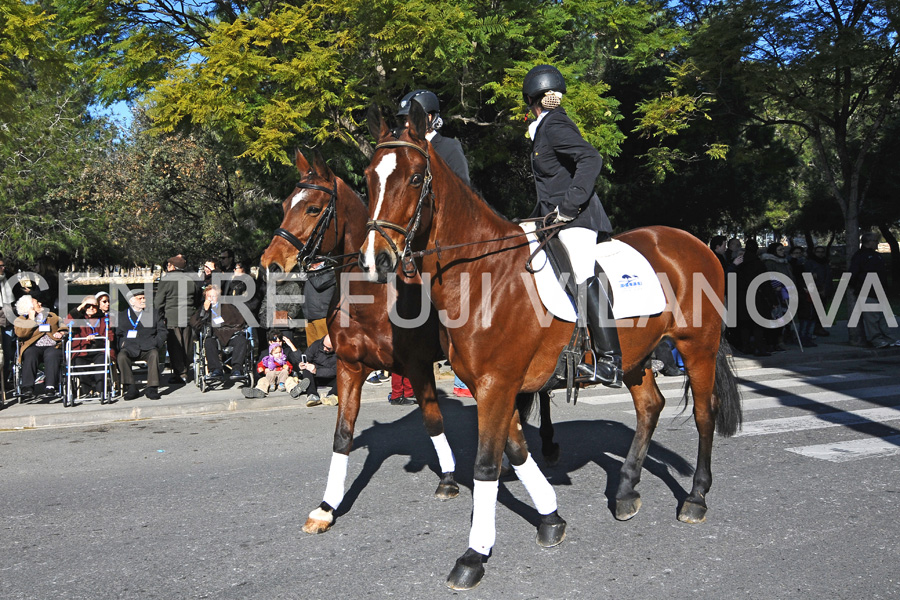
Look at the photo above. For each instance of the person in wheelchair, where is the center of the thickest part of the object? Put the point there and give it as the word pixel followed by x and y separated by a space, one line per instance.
pixel 40 334
pixel 91 336
pixel 224 326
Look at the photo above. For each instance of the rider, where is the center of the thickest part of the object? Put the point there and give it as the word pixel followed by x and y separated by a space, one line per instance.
pixel 451 151
pixel 448 148
pixel 565 170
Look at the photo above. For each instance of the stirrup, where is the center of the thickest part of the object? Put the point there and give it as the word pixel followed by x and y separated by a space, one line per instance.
pixel 603 371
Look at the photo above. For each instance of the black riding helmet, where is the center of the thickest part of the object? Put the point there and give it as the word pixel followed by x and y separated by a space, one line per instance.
pixel 427 99
pixel 542 79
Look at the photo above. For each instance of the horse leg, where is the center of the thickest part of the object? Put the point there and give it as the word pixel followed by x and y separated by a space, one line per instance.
pixel 350 378
pixel 552 529
pixel 648 404
pixel 702 370
pixel 494 417
pixel 421 377
pixel 549 449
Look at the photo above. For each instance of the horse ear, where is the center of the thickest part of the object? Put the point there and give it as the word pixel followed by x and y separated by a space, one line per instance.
pixel 300 161
pixel 377 127
pixel 321 167
pixel 418 121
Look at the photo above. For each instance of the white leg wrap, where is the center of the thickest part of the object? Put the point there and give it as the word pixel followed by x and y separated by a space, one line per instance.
pixel 445 454
pixel 484 508
pixel 337 475
pixel 542 493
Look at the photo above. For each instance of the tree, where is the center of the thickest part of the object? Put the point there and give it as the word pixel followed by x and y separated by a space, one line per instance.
pixel 828 71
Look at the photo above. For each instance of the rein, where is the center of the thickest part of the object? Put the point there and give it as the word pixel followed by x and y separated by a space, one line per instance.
pixel 306 253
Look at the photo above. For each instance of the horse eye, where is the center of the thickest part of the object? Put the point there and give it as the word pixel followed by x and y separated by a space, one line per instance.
pixel 313 210
pixel 416 179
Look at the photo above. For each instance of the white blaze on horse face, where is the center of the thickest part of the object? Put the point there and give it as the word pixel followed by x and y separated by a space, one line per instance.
pixel 297 198
pixel 383 170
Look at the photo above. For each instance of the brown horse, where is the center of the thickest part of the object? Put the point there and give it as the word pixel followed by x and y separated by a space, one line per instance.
pixel 323 219
pixel 468 251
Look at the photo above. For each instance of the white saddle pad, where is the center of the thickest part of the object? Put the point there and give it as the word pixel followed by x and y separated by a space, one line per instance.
pixel 636 288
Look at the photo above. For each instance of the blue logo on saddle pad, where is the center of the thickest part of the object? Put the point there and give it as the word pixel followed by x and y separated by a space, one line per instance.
pixel 630 281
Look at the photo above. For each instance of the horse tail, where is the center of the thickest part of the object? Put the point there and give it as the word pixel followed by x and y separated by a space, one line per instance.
pixel 729 415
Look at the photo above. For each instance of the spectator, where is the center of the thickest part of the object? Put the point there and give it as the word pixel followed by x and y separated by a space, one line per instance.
pixel 226 265
pixel 775 260
pixel 718 245
pixel 226 329
pixel 176 301
pixel 732 249
pixel 7 316
pixel 402 393
pixel 805 317
pixel 318 367
pixel 275 370
pixel 209 267
pixel 140 335
pixel 93 335
pixel 40 334
pixel 820 268
pixel 750 333
pixel 103 301
pixel 865 263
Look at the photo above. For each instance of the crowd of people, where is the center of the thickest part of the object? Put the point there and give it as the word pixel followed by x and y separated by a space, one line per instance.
pixel 185 307
pixel 790 271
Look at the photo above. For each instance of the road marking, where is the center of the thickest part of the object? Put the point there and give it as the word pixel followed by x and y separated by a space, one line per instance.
pixel 852 450
pixel 821 421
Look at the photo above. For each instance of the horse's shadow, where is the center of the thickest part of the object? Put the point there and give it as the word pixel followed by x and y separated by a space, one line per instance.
pixel 583 443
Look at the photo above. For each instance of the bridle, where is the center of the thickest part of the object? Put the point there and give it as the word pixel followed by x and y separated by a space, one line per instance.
pixel 406 256
pixel 306 253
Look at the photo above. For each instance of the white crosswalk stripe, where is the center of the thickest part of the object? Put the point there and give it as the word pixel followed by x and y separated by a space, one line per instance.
pixel 837 400
pixel 852 449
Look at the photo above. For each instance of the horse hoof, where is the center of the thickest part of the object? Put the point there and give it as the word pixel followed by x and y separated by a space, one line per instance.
pixel 319 521
pixel 467 572
pixel 446 491
pixel 692 513
pixel 552 458
pixel 627 508
pixel 551 531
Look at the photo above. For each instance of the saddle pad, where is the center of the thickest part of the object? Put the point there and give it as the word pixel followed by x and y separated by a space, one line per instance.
pixel 636 288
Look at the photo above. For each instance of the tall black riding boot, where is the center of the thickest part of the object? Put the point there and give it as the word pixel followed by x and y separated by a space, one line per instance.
pixel 607 367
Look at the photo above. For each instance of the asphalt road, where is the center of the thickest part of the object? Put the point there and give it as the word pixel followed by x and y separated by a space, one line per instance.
pixel 805 503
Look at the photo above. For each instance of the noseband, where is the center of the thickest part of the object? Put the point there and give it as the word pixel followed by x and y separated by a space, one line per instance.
pixel 306 253
pixel 406 256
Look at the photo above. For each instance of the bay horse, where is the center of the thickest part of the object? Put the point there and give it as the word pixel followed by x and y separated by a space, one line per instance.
pixel 324 219
pixel 422 215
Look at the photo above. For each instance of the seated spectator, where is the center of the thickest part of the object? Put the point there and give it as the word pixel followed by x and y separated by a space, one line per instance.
pixel 90 336
pixel 40 333
pixel 140 335
pixel 318 367
pixel 226 330
pixel 274 371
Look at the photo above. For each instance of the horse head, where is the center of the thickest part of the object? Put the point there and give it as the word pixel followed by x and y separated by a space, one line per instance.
pixel 399 179
pixel 309 227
